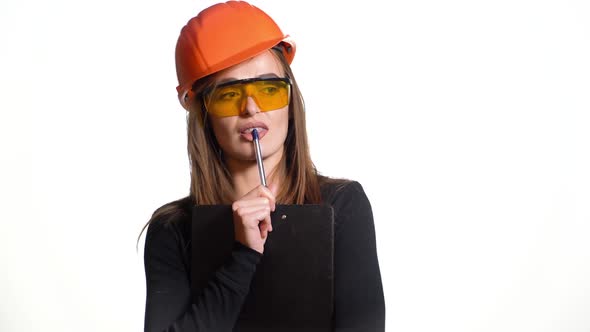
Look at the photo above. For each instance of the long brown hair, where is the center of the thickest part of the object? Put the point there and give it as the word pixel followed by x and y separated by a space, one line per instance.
pixel 211 182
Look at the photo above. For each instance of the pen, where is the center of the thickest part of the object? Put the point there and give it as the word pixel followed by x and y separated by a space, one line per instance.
pixel 258 153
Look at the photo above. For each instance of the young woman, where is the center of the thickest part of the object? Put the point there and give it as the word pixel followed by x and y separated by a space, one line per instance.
pixel 233 66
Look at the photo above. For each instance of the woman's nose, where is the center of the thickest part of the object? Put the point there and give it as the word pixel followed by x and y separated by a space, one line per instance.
pixel 251 107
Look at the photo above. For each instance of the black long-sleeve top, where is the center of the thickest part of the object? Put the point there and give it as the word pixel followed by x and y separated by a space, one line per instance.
pixel 358 292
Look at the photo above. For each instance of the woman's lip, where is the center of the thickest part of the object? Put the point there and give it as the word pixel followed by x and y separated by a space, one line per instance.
pixel 248 134
pixel 250 125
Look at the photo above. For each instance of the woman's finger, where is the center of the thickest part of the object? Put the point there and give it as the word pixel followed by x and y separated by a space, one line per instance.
pixel 243 203
pixel 260 219
pixel 261 191
pixel 250 213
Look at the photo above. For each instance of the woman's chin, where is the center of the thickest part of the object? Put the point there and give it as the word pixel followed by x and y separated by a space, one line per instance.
pixel 248 155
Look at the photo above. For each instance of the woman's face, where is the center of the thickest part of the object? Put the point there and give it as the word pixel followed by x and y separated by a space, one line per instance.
pixel 234 132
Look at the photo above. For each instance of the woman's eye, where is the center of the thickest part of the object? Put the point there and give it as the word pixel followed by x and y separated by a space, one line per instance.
pixel 227 95
pixel 269 90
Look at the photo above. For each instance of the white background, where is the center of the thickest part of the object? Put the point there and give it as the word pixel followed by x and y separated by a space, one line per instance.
pixel 467 123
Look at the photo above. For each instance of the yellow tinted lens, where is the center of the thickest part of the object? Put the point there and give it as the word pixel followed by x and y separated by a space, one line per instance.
pixel 270 95
pixel 226 101
pixel 230 100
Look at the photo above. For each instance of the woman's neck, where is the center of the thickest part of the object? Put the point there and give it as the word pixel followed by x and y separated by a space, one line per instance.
pixel 246 177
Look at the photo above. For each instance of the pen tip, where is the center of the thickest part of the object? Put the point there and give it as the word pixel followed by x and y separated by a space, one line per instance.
pixel 255 134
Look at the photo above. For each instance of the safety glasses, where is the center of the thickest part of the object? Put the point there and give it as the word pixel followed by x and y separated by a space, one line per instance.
pixel 229 99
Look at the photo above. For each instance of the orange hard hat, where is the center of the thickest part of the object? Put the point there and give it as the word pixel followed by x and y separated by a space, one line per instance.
pixel 221 36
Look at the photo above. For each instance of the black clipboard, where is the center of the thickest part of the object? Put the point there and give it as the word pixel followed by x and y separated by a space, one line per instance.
pixel 293 287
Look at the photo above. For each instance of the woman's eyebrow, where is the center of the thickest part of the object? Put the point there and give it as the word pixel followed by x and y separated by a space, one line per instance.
pixel 269 75
pixel 230 79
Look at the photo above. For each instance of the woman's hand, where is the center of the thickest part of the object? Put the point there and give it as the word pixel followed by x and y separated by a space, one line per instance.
pixel 252 217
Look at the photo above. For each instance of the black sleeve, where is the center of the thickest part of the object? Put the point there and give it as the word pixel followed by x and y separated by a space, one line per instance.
pixel 359 304
pixel 169 306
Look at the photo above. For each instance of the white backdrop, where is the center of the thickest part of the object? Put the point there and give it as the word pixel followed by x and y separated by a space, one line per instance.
pixel 467 122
